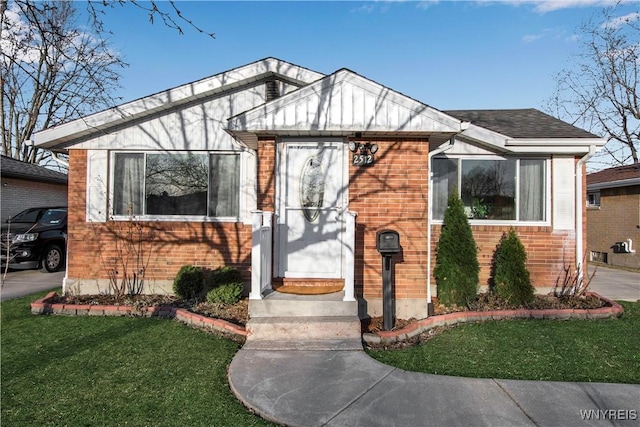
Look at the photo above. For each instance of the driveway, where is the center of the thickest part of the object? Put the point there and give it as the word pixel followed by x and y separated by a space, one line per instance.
pixel 615 284
pixel 24 282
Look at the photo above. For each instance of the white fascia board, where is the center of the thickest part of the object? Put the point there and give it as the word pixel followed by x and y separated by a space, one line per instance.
pixel 614 184
pixel 172 98
pixel 568 142
pixel 484 137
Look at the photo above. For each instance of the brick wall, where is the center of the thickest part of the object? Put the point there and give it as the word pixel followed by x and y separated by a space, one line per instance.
pixel 547 251
pixel 93 246
pixel 20 194
pixel 617 219
pixel 392 194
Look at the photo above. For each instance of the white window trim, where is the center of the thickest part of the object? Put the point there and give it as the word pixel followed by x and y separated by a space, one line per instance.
pixel 490 222
pixel 177 218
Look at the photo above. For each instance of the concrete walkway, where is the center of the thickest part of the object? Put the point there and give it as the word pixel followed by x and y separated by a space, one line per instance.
pixel 308 387
pixel 348 388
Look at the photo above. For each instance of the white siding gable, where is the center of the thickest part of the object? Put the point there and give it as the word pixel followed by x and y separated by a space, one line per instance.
pixel 345 102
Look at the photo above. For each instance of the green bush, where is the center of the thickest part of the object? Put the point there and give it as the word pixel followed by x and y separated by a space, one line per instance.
pixel 189 282
pixel 457 268
pixel 228 293
pixel 511 280
pixel 222 276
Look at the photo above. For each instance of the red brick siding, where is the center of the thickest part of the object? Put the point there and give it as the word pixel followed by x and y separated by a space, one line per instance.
pixel 392 193
pixel 266 174
pixel 173 244
pixel 547 251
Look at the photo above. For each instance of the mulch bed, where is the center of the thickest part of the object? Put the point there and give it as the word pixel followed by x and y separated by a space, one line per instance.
pixel 239 313
pixel 489 302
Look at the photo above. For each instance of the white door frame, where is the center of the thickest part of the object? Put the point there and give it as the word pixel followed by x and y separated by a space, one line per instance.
pixel 280 232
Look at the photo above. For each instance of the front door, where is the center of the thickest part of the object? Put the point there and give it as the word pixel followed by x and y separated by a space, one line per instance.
pixel 312 196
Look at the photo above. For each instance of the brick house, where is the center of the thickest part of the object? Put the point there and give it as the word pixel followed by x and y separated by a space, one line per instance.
pixel 288 174
pixel 613 216
pixel 25 185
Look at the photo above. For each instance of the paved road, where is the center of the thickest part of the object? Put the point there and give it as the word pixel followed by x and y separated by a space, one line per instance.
pixel 24 282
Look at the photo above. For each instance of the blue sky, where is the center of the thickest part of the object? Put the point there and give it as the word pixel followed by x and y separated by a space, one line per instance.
pixel 448 54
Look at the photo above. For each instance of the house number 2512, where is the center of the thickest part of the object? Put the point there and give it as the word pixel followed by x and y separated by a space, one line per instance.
pixel 362 159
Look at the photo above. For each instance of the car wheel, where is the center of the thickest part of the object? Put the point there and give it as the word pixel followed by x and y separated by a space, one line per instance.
pixel 53 258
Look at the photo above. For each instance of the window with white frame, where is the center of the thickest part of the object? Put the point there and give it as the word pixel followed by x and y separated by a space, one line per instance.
pixel 176 184
pixel 509 189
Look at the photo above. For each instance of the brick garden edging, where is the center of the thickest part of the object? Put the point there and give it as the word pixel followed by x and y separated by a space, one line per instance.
pixel 389 337
pixel 45 306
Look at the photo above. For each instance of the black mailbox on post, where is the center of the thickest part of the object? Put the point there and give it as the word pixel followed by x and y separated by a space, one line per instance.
pixel 388 242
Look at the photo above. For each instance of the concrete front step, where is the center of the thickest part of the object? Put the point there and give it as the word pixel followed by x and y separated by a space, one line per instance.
pixel 278 304
pixel 304 329
pixel 317 345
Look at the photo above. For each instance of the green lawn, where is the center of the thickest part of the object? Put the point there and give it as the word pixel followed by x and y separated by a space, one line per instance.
pixel 553 350
pixel 100 371
pixel 137 371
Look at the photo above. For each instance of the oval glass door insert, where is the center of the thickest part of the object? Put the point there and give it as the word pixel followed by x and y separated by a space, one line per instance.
pixel 312 188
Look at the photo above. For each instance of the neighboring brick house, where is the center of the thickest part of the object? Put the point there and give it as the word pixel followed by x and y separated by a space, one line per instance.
pixel 613 216
pixel 25 185
pixel 319 164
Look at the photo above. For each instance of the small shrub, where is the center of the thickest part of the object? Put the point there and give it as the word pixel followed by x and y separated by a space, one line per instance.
pixel 228 293
pixel 457 268
pixel 189 282
pixel 222 276
pixel 511 281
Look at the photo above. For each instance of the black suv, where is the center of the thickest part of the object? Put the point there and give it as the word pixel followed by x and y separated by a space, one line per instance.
pixel 35 237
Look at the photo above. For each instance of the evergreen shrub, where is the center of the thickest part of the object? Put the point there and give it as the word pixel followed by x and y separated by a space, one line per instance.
pixel 222 276
pixel 228 293
pixel 457 268
pixel 189 282
pixel 511 280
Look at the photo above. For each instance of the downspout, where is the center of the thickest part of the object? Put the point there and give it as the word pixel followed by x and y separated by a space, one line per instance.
pixel 579 205
pixel 435 152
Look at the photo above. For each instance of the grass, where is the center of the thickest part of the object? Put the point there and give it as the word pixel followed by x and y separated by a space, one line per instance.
pixel 552 350
pixel 113 371
pixel 88 371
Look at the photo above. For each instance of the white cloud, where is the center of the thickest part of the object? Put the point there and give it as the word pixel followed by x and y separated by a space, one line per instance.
pixel 543 6
pixel 621 20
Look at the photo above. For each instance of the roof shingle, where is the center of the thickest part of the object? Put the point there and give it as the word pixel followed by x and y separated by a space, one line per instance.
pixel 12 168
pixel 619 173
pixel 521 123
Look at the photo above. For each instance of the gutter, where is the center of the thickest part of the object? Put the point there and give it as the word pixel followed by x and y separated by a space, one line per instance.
pixel 579 205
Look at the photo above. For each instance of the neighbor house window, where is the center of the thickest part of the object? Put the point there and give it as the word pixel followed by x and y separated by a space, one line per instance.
pixel 593 199
pixel 491 189
pixel 176 184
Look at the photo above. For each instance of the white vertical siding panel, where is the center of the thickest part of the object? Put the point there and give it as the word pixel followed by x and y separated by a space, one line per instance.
pixel 347 105
pixel 382 114
pixel 248 186
pixel 369 117
pixel 564 187
pixel 321 112
pixel 334 108
pixel 358 108
pixel 97 179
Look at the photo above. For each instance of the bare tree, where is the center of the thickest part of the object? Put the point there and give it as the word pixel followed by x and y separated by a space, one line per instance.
pixel 54 69
pixel 601 92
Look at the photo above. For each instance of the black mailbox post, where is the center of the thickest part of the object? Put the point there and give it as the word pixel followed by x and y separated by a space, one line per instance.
pixel 388 244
